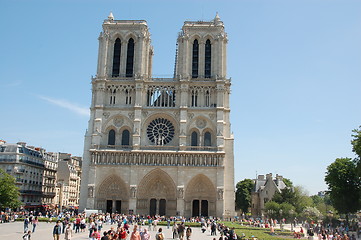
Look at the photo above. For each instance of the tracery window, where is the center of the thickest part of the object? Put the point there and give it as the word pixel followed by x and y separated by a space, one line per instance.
pixel 160 131
pixel 116 58
pixel 207 98
pixel 130 58
pixel 207 60
pixel 161 96
pixel 111 137
pixel 125 138
pixel 207 139
pixel 112 96
pixel 194 99
pixel 194 139
pixel 195 59
pixel 128 97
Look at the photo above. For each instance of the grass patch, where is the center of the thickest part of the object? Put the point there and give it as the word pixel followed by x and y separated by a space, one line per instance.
pixel 259 233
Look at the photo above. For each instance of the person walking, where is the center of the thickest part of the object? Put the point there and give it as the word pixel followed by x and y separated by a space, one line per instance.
pixel 27 236
pixel 188 232
pixel 135 234
pixel 35 223
pixel 57 231
pixel 68 232
pixel 159 235
pixel 26 224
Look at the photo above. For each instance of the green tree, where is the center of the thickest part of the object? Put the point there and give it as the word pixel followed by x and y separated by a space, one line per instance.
pixel 294 196
pixel 9 193
pixel 344 186
pixel 272 209
pixel 288 182
pixel 356 147
pixel 243 194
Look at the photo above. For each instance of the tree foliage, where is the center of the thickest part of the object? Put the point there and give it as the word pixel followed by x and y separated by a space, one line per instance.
pixel 9 193
pixel 356 147
pixel 344 185
pixel 243 194
pixel 288 182
pixel 294 196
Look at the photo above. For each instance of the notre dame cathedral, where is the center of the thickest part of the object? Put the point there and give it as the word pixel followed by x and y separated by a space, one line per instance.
pixel 160 145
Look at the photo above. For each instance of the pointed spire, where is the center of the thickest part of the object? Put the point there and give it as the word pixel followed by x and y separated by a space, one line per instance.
pixel 111 17
pixel 217 20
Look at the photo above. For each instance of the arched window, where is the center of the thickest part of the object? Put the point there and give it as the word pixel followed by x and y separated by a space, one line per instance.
pixel 207 98
pixel 194 139
pixel 112 96
pixel 128 97
pixel 194 98
pixel 207 139
pixel 125 138
pixel 195 59
pixel 111 137
pixel 116 58
pixel 130 58
pixel 207 60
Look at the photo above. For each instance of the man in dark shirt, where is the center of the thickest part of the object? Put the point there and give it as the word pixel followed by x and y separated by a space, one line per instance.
pixel 57 231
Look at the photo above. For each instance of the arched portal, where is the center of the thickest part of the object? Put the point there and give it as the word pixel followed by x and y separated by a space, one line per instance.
pixel 157 194
pixel 200 197
pixel 112 195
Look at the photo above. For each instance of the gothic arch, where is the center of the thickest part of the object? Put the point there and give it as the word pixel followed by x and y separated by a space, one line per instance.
pixel 200 197
pixel 129 36
pixel 208 37
pixel 112 188
pixel 158 184
pixel 126 121
pixel 200 186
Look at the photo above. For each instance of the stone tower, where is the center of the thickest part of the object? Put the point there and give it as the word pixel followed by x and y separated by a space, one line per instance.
pixel 160 145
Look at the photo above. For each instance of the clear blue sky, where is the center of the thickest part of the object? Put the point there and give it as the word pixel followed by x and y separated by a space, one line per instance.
pixel 295 69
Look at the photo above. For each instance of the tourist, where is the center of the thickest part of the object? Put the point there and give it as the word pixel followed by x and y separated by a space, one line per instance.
pixel 57 231
pixel 68 232
pixel 105 236
pixel 175 230
pixel 159 235
pixel 145 235
pixel 181 229
pixel 26 224
pixel 95 235
pixel 188 232
pixel 35 223
pixel 135 234
pixel 123 233
pixel 27 236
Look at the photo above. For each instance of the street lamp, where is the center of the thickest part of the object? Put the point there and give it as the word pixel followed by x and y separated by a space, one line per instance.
pixel 281 225
pixel 291 213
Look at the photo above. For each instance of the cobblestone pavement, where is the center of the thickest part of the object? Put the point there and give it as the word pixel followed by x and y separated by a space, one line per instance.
pixel 14 231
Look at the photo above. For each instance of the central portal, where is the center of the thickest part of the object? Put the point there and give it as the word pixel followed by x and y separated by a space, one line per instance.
pixel 157 207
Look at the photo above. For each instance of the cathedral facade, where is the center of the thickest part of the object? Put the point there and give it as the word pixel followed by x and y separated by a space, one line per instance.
pixel 160 145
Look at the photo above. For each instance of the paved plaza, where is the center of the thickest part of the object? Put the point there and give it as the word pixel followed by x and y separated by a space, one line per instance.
pixel 14 231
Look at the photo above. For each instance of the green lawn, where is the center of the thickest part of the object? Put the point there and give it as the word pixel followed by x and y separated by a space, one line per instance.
pixel 259 233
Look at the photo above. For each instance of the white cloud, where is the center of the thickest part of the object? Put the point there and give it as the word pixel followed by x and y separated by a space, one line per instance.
pixel 68 105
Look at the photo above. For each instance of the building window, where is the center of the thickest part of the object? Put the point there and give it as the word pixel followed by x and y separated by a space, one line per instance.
pixel 195 59
pixel 128 97
pixel 207 98
pixel 207 139
pixel 194 98
pixel 112 96
pixel 207 60
pixel 111 137
pixel 125 138
pixel 116 58
pixel 194 139
pixel 130 58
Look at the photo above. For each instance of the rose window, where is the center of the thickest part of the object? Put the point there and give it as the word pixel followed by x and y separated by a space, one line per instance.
pixel 160 131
